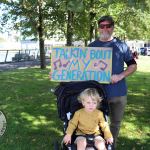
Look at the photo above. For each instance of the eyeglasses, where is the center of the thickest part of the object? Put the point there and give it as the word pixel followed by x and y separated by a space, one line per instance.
pixel 102 26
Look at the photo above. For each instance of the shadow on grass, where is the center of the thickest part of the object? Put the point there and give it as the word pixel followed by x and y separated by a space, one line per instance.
pixel 32 120
pixel 30 108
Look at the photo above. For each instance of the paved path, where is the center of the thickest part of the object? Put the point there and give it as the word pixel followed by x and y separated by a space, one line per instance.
pixel 17 65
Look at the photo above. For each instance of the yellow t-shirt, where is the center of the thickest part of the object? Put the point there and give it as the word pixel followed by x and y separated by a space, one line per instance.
pixel 88 123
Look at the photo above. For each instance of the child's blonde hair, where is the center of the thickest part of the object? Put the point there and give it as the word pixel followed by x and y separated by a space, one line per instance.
pixel 90 92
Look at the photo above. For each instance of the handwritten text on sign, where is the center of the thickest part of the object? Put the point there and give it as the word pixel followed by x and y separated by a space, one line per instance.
pixel 81 63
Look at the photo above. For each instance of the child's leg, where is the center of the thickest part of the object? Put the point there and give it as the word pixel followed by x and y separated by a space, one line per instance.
pixel 100 143
pixel 81 143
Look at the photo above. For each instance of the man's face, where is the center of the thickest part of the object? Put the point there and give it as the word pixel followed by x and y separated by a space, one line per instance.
pixel 105 29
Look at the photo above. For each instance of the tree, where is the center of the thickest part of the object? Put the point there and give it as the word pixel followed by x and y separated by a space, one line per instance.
pixel 29 17
pixel 125 13
pixel 76 19
pixel 69 9
pixel 131 18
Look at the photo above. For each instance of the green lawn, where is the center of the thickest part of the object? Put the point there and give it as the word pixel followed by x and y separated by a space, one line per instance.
pixel 32 120
pixel 135 131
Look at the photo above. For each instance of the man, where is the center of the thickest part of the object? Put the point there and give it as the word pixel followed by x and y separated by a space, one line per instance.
pixel 116 91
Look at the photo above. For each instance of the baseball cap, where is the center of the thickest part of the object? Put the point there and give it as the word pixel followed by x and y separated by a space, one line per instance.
pixel 106 18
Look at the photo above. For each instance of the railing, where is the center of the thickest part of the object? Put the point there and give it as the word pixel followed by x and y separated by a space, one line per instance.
pixel 7 56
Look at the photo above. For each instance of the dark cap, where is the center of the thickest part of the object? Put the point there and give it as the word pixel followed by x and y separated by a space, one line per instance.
pixel 106 18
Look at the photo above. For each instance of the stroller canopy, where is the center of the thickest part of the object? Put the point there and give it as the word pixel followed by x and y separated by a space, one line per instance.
pixel 68 92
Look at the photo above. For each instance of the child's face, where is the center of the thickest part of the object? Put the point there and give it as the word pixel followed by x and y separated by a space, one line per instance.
pixel 89 104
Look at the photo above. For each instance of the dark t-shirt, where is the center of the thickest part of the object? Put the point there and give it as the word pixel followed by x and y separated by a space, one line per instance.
pixel 120 54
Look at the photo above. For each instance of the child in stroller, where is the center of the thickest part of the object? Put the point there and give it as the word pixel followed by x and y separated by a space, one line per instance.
pixel 67 102
pixel 87 120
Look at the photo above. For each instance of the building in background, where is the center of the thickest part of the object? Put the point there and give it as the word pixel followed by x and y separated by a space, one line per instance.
pixel 135 45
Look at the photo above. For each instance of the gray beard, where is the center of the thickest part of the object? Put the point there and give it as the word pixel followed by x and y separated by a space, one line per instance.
pixel 105 36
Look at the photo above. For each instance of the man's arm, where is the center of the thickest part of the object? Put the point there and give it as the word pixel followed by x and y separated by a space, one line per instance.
pixel 117 77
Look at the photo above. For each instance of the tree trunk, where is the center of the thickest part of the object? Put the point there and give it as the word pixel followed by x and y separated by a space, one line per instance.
pixel 70 28
pixel 85 42
pixel 42 52
pixel 92 15
pixel 91 32
pixel 96 35
pixel 92 25
pixel 41 39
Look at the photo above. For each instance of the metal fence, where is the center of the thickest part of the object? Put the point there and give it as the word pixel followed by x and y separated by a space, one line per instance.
pixel 20 55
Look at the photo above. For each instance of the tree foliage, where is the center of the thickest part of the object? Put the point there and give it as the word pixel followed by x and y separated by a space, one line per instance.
pixel 77 20
pixel 25 16
pixel 30 18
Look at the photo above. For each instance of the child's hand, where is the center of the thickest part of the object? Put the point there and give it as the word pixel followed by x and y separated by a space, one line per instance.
pixel 109 141
pixel 67 139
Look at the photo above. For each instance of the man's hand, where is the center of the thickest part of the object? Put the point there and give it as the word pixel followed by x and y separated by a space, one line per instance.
pixel 116 78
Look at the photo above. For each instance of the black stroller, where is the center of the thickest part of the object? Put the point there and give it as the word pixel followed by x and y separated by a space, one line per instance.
pixel 67 104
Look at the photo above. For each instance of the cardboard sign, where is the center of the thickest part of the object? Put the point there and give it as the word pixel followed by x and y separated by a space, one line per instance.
pixel 81 63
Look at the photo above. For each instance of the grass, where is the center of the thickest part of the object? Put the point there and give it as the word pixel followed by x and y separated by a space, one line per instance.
pixel 135 131
pixel 30 108
pixel 32 120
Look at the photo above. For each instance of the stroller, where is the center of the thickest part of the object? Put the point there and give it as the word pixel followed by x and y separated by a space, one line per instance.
pixel 67 104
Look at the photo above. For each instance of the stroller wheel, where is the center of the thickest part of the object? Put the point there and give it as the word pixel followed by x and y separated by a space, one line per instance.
pixel 63 146
pixel 56 145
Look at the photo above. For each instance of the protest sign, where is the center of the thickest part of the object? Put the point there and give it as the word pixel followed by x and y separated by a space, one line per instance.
pixel 81 63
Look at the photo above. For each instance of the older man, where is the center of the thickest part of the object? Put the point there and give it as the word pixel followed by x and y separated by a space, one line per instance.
pixel 116 91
